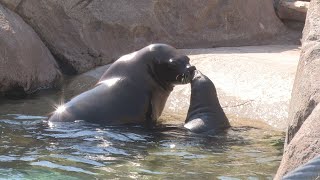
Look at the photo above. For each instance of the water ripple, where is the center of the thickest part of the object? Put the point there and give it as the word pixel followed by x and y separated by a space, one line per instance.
pixel 61 167
pixel 78 159
pixel 31 147
pixel 72 134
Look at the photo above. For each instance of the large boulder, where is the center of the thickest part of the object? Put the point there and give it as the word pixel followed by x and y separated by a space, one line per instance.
pixel 83 34
pixel 302 141
pixel 306 89
pixel 25 63
pixel 304 146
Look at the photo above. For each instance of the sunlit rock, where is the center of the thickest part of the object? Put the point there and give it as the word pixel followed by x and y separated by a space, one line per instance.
pixel 83 34
pixel 302 141
pixel 26 64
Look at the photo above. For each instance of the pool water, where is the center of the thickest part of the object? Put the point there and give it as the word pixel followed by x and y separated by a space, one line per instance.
pixel 32 148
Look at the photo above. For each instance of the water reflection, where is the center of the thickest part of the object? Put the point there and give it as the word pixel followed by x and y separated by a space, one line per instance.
pixel 31 147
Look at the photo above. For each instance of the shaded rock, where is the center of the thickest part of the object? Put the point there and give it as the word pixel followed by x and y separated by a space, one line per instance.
pixel 11 4
pixel 26 65
pixel 306 90
pixel 252 82
pixel 83 34
pixel 302 141
pixel 292 13
pixel 304 146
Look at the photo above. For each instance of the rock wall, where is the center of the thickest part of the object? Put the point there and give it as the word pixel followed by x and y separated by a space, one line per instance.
pixel 304 146
pixel 25 62
pixel 302 141
pixel 83 34
pixel 306 89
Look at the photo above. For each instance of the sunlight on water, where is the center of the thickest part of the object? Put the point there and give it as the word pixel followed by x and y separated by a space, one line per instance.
pixel 31 148
pixel 84 150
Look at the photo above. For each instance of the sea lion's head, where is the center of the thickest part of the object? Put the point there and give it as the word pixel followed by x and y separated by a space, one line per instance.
pixel 176 70
pixel 172 66
pixel 180 71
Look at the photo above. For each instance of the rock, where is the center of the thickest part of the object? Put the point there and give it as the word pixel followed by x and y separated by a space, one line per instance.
pixel 252 82
pixel 83 34
pixel 302 141
pixel 11 4
pixel 292 10
pixel 306 90
pixel 304 146
pixel 26 65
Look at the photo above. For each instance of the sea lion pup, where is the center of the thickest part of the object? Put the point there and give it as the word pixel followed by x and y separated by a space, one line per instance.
pixel 205 114
pixel 133 90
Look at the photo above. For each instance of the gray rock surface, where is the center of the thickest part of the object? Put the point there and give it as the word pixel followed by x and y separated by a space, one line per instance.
pixel 26 65
pixel 304 146
pixel 291 9
pixel 302 141
pixel 252 82
pixel 83 34
pixel 11 4
pixel 306 90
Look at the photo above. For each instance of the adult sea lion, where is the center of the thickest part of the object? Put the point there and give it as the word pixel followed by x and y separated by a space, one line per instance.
pixel 133 90
pixel 205 114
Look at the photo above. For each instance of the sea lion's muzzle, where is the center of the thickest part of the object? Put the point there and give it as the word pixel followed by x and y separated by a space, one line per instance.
pixel 187 76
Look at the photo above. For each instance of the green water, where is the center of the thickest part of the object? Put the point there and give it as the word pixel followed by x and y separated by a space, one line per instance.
pixel 32 148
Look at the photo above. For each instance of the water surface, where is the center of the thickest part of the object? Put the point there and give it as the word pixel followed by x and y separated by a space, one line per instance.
pixel 32 148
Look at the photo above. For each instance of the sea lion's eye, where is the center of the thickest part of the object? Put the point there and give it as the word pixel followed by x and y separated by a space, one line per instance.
pixel 172 63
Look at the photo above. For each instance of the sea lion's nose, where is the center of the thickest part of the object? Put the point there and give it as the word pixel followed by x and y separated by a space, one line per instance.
pixel 190 72
pixel 191 68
